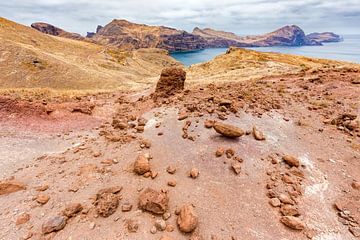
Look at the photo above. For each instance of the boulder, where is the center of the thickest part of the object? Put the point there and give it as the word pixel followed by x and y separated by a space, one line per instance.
pixel 187 219
pixel 141 165
pixel 171 81
pixel 228 130
pixel 153 201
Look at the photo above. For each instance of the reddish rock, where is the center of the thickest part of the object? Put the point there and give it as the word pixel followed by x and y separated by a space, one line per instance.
pixel 258 135
pixel 22 218
pixel 171 169
pixel 228 130
pixel 141 165
pixel 292 222
pixel 153 201
pixel 236 166
pixel 209 123
pixel 194 173
pixel 7 187
pixel 171 81
pixel 72 209
pixel 219 152
pixel 291 161
pixel 42 199
pixel 171 183
pixel 187 219
pixel 107 201
pixel 289 210
pixel 275 202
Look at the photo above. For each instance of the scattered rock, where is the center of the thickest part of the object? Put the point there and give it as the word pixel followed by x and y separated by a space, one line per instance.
pixel 107 201
pixel 182 116
pixel 355 231
pixel 141 165
pixel 194 173
pixel 22 218
pixel 42 188
pixel 258 135
pixel 355 185
pixel 153 230
pixel 153 201
pixel 42 199
pixel 7 187
pixel 275 202
pixel 229 152
pixel 160 224
pixel 171 183
pixel 219 152
pixel 289 210
pixel 292 222
pixel 227 130
pixel 53 224
pixel 236 166
pixel 291 161
pixel 187 219
pixel 209 123
pixel 285 199
pixel 171 169
pixel 126 207
pixel 72 209
pixel 132 225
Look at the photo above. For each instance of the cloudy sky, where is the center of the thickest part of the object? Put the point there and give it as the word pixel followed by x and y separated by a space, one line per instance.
pixel 239 16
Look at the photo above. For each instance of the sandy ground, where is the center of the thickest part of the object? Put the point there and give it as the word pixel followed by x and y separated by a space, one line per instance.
pixel 69 151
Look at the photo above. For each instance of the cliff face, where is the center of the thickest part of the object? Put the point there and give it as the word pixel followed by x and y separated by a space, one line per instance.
pixel 127 35
pixel 55 31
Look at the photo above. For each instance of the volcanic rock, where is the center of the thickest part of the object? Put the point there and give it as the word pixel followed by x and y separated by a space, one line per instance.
pixel 107 201
pixel 153 201
pixel 228 130
pixel 53 224
pixel 187 219
pixel 171 81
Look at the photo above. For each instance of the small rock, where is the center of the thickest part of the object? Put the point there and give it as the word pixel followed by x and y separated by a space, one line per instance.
pixel 227 130
pixel 42 188
pixel 289 210
pixel 160 224
pixel 292 222
pixel 153 201
pixel 126 207
pixel 355 231
pixel 229 152
pixel 194 173
pixel 166 216
pixel 53 224
pixel 258 135
pixel 285 199
pixel 170 228
pixel 187 219
pixel 183 115
pixel 92 225
pixel 219 152
pixel 22 218
pixel 236 166
pixel 291 161
pixel 72 209
pixel 153 230
pixel 171 169
pixel 275 202
pixel 355 185
pixel 7 187
pixel 171 183
pixel 106 202
pixel 209 123
pixel 132 225
pixel 42 199
pixel 141 165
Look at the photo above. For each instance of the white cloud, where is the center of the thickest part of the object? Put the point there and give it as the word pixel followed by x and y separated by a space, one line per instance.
pixel 243 17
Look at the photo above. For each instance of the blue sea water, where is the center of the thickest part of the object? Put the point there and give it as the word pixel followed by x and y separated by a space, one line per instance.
pixel 347 50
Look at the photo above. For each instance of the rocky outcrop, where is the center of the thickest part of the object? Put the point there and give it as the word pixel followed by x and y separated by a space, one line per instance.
pixel 127 35
pixel 55 31
pixel 324 37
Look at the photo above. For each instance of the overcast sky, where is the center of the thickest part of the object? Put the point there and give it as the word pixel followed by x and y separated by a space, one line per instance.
pixel 239 16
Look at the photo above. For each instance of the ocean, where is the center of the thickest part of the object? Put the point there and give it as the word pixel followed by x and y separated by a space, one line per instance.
pixel 347 50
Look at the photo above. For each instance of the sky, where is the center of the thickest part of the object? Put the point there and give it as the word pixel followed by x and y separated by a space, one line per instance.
pixel 239 16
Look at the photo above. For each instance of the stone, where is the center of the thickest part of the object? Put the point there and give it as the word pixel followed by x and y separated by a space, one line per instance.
pixel 194 173
pixel 182 116
pixel 291 161
pixel 153 201
pixel 275 202
pixel 285 199
pixel 153 230
pixel 209 123
pixel 42 199
pixel 171 183
pixel 236 166
pixel 228 130
pixel 171 169
pixel 289 210
pixel 292 222
pixel 355 231
pixel 172 81
pixel 106 202
pixel 187 219
pixel 142 165
pixel 7 187
pixel 22 219
pixel 53 224
pixel 42 188
pixel 132 225
pixel 219 152
pixel 160 224
pixel 72 209
pixel 258 135
pixel 126 207
pixel 355 185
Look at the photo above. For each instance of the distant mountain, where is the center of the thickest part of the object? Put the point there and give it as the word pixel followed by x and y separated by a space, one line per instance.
pixel 324 37
pixel 128 36
pixel 55 31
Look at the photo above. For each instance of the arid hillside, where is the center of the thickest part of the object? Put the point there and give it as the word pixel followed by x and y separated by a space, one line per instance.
pixel 31 59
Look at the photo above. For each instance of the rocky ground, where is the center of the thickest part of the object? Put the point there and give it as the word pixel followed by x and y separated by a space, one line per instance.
pixel 275 158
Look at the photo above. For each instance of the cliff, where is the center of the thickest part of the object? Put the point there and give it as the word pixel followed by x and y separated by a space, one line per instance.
pixel 55 31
